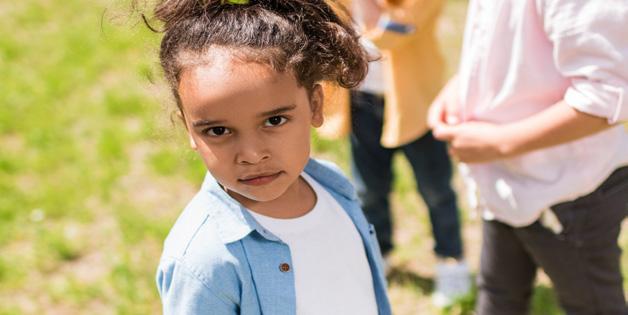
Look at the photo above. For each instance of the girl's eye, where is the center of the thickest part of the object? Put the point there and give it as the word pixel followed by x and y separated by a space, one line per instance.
pixel 275 121
pixel 217 131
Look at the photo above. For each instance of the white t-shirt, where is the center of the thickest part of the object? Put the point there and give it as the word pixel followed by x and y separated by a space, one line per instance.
pixel 331 271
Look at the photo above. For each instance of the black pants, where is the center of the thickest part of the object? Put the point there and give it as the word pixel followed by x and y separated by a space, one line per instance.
pixel 373 176
pixel 583 261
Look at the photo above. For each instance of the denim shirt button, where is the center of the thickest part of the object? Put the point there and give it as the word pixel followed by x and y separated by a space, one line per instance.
pixel 284 267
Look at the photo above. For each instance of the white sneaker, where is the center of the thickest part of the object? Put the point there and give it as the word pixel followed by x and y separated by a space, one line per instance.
pixel 452 282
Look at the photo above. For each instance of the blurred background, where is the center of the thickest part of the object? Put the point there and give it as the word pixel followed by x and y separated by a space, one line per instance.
pixel 93 171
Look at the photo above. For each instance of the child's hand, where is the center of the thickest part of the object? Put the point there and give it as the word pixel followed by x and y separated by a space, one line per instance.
pixel 475 141
pixel 445 109
pixel 367 12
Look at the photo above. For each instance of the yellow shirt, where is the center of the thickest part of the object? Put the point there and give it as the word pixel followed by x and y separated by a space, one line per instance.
pixel 414 70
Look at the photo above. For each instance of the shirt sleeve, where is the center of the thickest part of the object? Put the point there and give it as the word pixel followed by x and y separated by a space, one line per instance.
pixel 591 49
pixel 183 292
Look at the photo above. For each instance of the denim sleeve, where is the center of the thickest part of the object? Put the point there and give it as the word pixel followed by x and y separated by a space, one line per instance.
pixel 184 292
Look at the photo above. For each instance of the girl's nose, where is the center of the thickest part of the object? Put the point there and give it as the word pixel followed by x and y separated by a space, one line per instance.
pixel 252 152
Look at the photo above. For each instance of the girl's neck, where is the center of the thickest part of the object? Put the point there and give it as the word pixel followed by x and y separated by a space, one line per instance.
pixel 297 201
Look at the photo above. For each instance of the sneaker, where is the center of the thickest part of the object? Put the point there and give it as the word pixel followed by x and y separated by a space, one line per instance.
pixel 453 281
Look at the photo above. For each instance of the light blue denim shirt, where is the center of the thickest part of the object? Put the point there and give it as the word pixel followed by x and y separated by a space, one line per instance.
pixel 218 260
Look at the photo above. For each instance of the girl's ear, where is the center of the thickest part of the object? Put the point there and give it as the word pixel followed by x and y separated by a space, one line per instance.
pixel 316 103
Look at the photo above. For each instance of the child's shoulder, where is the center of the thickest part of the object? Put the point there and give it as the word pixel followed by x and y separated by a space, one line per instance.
pixel 331 177
pixel 194 241
pixel 199 258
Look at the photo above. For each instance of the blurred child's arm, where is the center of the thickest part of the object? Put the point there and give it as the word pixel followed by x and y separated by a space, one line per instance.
pixel 476 141
pixel 182 292
pixel 591 51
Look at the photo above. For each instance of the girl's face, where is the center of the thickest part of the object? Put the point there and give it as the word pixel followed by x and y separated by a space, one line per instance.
pixel 250 124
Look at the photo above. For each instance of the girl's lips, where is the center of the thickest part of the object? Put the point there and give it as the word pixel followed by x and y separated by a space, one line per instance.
pixel 259 180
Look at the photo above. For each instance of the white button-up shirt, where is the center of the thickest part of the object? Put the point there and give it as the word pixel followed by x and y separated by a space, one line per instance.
pixel 522 56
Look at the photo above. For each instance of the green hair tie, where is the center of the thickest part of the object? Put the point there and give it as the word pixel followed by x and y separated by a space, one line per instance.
pixel 234 1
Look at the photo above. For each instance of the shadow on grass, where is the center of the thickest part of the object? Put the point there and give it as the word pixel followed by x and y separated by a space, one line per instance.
pixel 406 278
pixel 400 276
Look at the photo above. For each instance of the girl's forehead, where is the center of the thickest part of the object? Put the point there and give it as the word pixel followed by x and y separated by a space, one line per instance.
pixel 229 86
pixel 229 61
pixel 219 65
pixel 222 67
pixel 219 80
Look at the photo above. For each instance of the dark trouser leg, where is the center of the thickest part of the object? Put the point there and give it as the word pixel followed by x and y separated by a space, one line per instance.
pixel 432 170
pixel 583 261
pixel 507 272
pixel 371 164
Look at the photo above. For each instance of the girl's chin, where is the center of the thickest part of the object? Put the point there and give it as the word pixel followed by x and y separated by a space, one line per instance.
pixel 248 197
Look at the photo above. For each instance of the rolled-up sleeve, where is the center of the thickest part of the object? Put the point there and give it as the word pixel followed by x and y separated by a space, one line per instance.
pixel 591 49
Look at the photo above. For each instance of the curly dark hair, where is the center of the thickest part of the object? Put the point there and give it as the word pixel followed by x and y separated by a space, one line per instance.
pixel 312 38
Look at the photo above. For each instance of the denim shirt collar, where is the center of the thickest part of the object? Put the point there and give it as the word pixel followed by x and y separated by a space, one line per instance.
pixel 235 220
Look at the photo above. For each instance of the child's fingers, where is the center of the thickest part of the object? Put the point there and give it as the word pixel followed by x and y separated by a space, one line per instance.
pixel 445 108
pixel 444 132
pixel 452 109
pixel 436 114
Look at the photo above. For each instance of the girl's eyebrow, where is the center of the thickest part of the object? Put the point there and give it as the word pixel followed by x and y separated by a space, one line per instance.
pixel 204 122
pixel 274 112
pixel 278 111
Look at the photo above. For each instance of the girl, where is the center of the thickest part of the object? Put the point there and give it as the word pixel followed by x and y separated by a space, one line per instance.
pixel 271 231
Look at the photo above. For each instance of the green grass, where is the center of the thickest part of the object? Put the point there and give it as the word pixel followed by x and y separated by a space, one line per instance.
pixel 93 172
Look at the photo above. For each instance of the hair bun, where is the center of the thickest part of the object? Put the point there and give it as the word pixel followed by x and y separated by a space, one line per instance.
pixel 169 12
